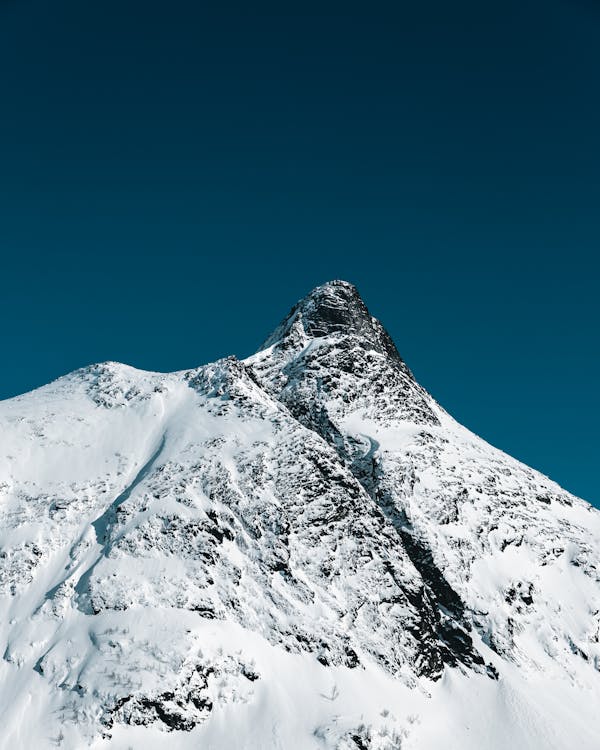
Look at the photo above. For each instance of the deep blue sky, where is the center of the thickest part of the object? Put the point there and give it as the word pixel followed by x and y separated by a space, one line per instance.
pixel 174 177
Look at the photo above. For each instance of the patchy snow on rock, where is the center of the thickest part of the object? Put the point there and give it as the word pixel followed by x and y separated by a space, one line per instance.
pixel 300 550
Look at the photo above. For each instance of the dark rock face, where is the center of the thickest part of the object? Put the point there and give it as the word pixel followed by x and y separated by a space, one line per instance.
pixel 444 628
pixel 330 354
pixel 335 308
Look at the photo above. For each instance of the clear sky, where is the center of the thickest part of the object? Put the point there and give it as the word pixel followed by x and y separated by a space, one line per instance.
pixel 173 177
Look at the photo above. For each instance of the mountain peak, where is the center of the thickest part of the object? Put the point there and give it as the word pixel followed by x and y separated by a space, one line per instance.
pixel 193 555
pixel 333 308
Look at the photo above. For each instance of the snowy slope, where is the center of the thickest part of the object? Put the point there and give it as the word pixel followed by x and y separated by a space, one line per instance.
pixel 298 550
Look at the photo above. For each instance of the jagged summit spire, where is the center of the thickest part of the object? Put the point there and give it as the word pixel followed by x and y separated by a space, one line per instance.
pixel 335 307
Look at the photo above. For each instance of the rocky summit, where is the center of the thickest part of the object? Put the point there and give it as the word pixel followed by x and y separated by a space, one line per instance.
pixel 298 550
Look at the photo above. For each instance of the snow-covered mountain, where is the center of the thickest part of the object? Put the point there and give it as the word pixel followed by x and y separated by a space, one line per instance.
pixel 299 550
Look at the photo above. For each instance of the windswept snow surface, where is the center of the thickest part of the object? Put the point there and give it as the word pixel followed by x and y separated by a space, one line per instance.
pixel 300 550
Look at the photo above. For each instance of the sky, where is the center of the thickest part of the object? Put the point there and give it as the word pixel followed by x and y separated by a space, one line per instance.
pixel 173 177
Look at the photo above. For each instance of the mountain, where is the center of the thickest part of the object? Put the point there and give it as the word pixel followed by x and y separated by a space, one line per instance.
pixel 298 550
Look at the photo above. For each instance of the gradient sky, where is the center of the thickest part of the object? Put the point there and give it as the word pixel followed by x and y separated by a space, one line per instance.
pixel 173 177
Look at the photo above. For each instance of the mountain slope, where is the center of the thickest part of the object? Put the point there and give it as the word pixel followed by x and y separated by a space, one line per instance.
pixel 297 550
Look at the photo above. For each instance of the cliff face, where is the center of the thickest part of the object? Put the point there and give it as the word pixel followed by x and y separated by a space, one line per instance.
pixel 297 550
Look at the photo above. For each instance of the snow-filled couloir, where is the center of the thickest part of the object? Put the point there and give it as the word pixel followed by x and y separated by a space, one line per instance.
pixel 299 550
